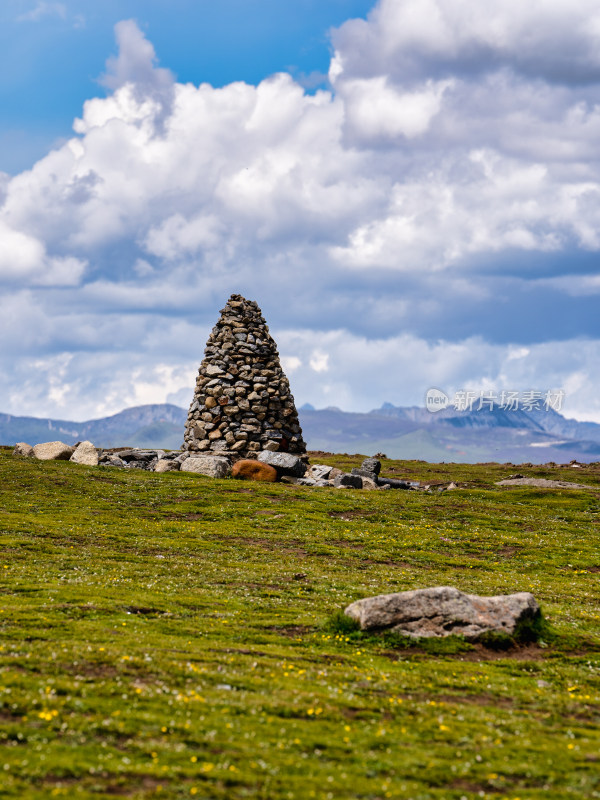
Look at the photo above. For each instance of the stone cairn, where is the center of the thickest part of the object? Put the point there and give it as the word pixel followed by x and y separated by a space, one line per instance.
pixel 242 402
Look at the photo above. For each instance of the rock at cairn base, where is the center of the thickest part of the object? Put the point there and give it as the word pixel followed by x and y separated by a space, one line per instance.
pixel 242 402
pixel 442 611
pixel 211 466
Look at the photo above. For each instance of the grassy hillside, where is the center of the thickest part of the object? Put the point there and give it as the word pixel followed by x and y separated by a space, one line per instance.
pixel 175 636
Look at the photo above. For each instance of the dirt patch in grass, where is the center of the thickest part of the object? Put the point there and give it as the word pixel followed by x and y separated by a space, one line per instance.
pixel 529 652
pixel 476 652
pixel 291 631
pixel 476 788
pixel 90 669
pixel 268 513
pixel 509 550
pixel 485 699
pixel 144 610
pixel 348 516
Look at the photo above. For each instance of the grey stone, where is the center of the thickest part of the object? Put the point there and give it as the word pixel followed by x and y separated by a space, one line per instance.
pixel 284 463
pixel 85 453
pixel 371 465
pixel 319 471
pixel 442 611
pixel 53 451
pixel 23 449
pixel 166 465
pixel 211 466
pixel 346 479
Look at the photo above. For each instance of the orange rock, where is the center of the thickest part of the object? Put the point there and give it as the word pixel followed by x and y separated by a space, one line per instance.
pixel 251 470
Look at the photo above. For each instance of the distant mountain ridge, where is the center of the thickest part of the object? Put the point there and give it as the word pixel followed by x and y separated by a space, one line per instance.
pixel 156 425
pixel 400 432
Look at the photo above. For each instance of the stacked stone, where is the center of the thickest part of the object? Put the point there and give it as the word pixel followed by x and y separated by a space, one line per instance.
pixel 242 403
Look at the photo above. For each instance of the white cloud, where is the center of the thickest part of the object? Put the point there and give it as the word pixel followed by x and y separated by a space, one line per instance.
pixel 457 140
pixel 43 9
pixel 376 109
pixel 24 261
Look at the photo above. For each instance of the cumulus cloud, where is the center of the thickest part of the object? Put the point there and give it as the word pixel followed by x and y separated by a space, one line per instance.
pixel 136 66
pixel 415 225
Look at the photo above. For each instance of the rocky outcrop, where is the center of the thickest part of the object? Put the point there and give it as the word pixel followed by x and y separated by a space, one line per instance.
pixel 242 402
pixel 442 611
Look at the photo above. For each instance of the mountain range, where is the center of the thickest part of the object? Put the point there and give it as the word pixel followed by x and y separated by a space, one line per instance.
pixel 517 436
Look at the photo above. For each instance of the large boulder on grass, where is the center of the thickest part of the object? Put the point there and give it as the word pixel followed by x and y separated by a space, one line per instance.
pixel 442 611
pixel 251 470
pixel 23 449
pixel 85 453
pixel 53 451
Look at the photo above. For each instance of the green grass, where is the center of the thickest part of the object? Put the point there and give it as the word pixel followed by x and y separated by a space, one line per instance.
pixel 174 636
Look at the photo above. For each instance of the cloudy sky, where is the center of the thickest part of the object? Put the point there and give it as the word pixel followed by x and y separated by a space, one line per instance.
pixel 409 189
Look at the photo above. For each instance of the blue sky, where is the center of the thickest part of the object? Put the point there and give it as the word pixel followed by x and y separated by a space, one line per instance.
pixel 52 53
pixel 410 189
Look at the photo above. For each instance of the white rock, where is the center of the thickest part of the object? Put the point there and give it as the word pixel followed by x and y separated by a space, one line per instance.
pixel 23 449
pixel 53 451
pixel 167 465
pixel 85 453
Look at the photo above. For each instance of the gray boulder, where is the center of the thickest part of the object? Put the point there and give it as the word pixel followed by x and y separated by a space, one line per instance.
pixel 284 463
pixel 442 611
pixel 211 466
pixel 23 449
pixel 112 460
pixel 319 472
pixel 53 451
pixel 85 453
pixel 346 479
pixel 372 465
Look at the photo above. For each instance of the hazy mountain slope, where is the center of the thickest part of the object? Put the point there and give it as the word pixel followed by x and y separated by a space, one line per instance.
pixel 408 433
pixel 119 429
